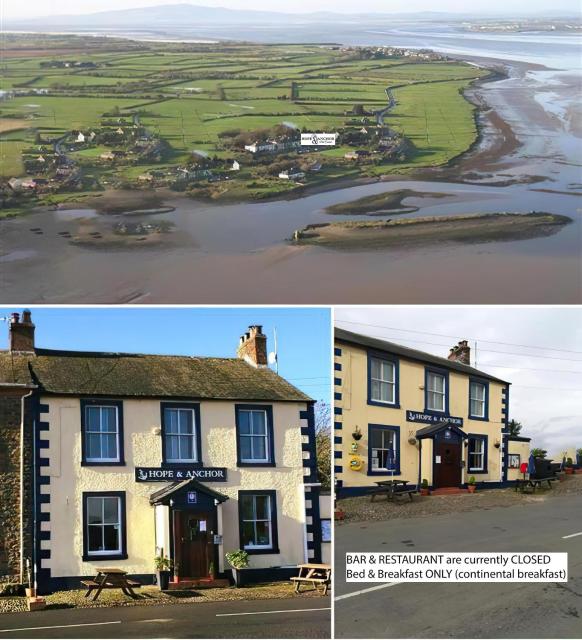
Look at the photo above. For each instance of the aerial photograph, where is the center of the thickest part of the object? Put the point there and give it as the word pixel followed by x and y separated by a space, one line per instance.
pixel 320 152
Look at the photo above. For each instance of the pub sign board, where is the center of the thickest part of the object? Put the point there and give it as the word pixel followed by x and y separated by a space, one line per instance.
pixel 179 474
pixel 427 418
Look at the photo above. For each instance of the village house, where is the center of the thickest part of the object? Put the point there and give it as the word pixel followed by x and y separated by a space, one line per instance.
pixel 292 174
pixel 235 166
pixel 402 413
pixel 262 147
pixel 114 458
pixel 22 184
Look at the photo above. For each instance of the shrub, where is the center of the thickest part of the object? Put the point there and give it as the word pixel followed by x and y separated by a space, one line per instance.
pixel 238 559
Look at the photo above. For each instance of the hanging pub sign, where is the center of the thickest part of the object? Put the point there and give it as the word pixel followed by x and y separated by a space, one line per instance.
pixel 427 418
pixel 178 474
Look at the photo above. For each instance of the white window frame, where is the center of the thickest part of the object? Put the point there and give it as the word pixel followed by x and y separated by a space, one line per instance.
pixel 483 401
pixel 430 392
pixel 254 520
pixel 88 432
pixel 252 436
pixel 193 435
pixel 118 524
pixel 383 448
pixel 391 383
pixel 480 453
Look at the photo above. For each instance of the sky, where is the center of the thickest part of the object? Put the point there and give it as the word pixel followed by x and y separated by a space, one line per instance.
pixel 303 335
pixel 546 383
pixel 35 8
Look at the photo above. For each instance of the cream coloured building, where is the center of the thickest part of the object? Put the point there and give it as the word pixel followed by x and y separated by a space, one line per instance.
pixel 138 455
pixel 405 414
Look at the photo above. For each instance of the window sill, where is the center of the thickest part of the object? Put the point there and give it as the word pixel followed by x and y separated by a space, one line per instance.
pixel 386 405
pixel 99 558
pixel 389 474
pixel 87 463
pixel 481 419
pixel 256 552
pixel 255 464
pixel 185 463
pixel 473 471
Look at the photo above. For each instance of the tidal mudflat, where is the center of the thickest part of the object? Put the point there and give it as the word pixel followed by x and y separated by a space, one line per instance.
pixel 527 159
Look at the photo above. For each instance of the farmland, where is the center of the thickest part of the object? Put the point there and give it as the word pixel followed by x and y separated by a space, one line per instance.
pixel 79 115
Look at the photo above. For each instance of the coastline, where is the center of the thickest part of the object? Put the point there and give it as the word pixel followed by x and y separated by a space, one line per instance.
pixel 461 169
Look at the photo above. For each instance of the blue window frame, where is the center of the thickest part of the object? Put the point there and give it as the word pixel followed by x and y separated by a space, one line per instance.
pixel 181 437
pixel 102 433
pixel 382 438
pixel 257 521
pixel 478 399
pixel 477 453
pixel 383 380
pixel 104 526
pixel 255 446
pixel 436 391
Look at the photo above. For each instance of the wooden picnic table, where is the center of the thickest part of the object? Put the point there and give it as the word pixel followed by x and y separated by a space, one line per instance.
pixel 391 489
pixel 314 573
pixel 110 578
pixel 533 483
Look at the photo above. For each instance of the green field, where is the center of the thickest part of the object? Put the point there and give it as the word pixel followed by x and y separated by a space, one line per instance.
pixel 187 95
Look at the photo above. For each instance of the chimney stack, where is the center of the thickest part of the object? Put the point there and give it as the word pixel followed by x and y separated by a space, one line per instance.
pixel 21 333
pixel 461 353
pixel 252 347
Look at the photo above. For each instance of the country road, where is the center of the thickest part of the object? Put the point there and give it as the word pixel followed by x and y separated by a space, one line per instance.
pixel 483 610
pixel 289 618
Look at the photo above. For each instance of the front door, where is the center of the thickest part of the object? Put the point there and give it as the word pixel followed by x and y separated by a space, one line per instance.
pixel 194 543
pixel 447 464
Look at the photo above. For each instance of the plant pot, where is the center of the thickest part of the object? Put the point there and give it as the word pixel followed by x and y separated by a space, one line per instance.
pixel 339 514
pixel 164 580
pixel 471 488
pixel 570 470
pixel 238 577
pixel 30 592
pixel 424 492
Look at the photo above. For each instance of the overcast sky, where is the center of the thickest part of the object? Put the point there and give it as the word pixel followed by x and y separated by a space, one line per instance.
pixel 35 8
pixel 546 391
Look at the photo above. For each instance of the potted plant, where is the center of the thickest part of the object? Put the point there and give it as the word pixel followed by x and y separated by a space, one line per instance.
pixel 164 568
pixel 424 491
pixel 238 560
pixel 356 433
pixel 569 466
pixel 471 484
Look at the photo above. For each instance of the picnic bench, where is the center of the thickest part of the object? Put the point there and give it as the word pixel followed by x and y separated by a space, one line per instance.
pixel 391 489
pixel 524 485
pixel 110 578
pixel 314 574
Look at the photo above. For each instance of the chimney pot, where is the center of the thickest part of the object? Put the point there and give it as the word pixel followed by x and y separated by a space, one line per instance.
pixel 21 333
pixel 253 347
pixel 461 353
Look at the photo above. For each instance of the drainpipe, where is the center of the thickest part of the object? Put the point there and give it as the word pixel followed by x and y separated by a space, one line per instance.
pixel 15 385
pixel 419 462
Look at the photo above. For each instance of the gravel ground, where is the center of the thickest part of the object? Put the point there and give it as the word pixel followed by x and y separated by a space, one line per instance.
pixel 150 595
pixel 361 509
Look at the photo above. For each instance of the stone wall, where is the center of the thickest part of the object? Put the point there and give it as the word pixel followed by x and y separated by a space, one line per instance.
pixel 10 482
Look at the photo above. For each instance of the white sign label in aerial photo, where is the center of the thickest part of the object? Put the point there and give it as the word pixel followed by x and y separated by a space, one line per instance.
pixel 318 139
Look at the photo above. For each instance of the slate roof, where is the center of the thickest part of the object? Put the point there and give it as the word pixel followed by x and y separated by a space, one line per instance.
pixel 148 376
pixel 162 495
pixel 341 335
pixel 427 432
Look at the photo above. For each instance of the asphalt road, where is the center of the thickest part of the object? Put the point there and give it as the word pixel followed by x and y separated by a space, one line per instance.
pixel 467 610
pixel 290 618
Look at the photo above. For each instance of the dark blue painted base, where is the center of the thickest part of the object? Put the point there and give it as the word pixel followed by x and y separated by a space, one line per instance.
pixel 354 492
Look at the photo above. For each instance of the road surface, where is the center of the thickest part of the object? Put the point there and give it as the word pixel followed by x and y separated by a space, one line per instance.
pixel 468 610
pixel 289 618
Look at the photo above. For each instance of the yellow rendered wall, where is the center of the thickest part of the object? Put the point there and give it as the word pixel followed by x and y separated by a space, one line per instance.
pixel 143 448
pixel 523 449
pixel 357 412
